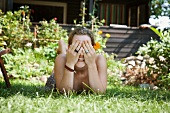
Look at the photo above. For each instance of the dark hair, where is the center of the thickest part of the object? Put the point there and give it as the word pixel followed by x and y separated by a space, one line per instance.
pixel 81 31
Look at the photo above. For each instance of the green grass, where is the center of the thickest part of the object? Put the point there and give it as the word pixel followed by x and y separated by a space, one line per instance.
pixel 29 97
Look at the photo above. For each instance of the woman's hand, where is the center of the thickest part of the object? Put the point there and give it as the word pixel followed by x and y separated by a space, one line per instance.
pixel 73 53
pixel 89 53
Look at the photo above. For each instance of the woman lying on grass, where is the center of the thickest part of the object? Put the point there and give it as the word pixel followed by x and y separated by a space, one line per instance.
pixel 79 68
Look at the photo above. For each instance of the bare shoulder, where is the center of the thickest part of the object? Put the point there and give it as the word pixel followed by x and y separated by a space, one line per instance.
pixel 101 60
pixel 100 57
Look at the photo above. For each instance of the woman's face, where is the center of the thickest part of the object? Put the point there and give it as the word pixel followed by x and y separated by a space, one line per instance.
pixel 81 38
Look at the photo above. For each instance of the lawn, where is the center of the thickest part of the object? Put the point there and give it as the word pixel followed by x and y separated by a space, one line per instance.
pixel 30 97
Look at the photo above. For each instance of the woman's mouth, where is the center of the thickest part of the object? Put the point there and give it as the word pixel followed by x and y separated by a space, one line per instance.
pixel 81 59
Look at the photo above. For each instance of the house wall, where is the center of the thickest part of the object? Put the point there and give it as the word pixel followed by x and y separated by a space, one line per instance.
pixel 126 12
pixel 49 12
pixel 2 5
pixel 6 5
pixel 113 13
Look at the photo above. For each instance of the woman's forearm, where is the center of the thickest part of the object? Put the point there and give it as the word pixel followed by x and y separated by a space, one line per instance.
pixel 94 79
pixel 67 81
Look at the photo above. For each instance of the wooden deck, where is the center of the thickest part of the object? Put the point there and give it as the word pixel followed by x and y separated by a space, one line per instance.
pixel 124 41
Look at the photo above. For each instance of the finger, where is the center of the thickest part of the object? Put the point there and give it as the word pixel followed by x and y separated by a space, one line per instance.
pixel 71 46
pixel 75 44
pixel 87 48
pixel 85 55
pixel 78 47
pixel 90 47
pixel 79 52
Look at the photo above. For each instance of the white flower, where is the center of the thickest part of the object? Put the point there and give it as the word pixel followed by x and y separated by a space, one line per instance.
pixel 161 58
pixel 22 7
pixel 151 60
pixel 154 66
pixel 28 44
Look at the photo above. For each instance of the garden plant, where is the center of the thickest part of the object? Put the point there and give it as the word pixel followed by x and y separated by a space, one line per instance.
pixel 159 58
pixel 150 67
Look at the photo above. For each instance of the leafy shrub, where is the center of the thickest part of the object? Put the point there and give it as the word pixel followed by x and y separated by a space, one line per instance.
pixel 17 33
pixel 27 63
pixel 159 51
pixel 115 69
pixel 47 35
pixel 50 31
pixel 50 51
pixel 16 27
pixel 17 30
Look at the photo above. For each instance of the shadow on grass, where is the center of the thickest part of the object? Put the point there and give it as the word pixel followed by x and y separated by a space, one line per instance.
pixel 138 93
pixel 32 89
pixel 25 87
